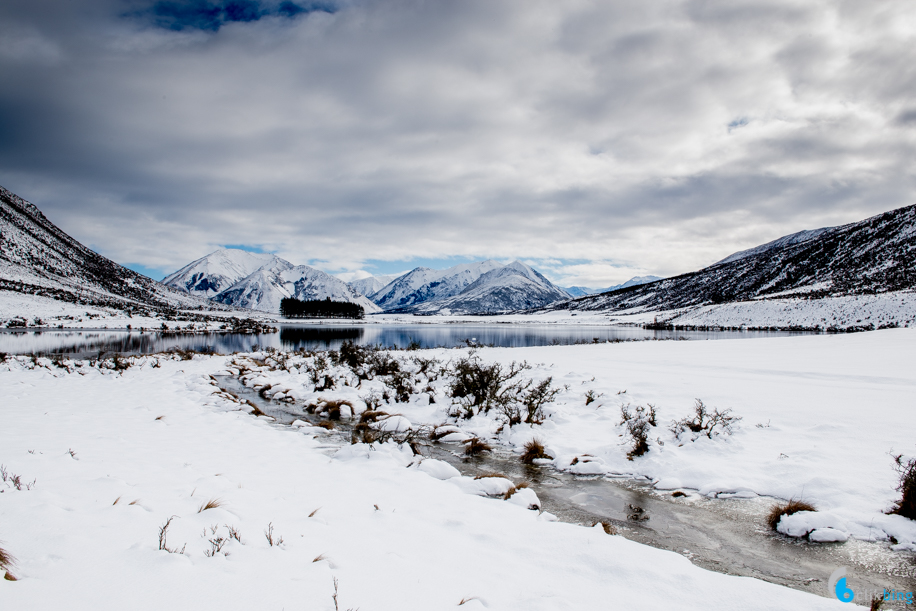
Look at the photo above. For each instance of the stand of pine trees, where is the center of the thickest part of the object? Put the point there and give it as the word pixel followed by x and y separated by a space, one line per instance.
pixel 296 308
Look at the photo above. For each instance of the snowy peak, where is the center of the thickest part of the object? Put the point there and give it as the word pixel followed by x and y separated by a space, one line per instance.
pixel 371 285
pixel 423 284
pixel 214 273
pixel 508 288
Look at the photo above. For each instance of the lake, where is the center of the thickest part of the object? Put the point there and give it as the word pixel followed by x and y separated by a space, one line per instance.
pixel 84 343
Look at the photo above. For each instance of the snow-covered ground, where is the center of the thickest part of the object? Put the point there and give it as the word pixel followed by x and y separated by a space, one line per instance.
pixel 115 455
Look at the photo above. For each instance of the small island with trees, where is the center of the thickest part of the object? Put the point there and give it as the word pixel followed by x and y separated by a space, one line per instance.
pixel 297 308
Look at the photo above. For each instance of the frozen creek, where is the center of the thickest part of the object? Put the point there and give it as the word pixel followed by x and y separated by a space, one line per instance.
pixel 727 535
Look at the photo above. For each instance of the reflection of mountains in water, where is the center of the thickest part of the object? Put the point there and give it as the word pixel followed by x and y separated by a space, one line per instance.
pixel 306 337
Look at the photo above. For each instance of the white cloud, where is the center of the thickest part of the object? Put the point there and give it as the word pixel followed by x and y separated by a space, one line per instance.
pixel 586 131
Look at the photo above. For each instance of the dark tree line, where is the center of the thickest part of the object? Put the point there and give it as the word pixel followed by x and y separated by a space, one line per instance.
pixel 296 308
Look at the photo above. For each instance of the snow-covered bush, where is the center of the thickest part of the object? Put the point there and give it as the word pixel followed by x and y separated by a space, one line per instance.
pixel 906 506
pixel 638 422
pixel 481 387
pixel 703 421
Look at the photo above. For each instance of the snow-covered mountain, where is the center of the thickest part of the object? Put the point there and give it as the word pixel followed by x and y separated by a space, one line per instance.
pixel 876 255
pixel 582 291
pixel 210 275
pixel 38 258
pixel 266 287
pixel 507 288
pixel 424 284
pixel 373 284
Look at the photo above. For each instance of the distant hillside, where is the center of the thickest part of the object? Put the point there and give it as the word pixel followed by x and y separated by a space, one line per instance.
pixel 38 258
pixel 871 256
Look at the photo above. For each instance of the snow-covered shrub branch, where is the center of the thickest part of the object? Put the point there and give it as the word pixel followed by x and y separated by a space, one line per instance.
pixel 710 423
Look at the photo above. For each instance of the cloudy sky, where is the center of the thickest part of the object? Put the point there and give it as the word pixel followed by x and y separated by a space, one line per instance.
pixel 595 139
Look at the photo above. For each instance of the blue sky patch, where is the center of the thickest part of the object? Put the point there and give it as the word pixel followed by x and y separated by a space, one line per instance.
pixel 210 16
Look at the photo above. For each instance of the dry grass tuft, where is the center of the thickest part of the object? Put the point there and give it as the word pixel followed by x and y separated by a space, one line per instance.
pixel 513 490
pixel 488 474
pixel 607 526
pixel 534 449
pixel 211 504
pixel 792 506
pixel 876 603
pixel 467 600
pixel 312 515
pixel 159 417
pixel 7 562
pixel 134 502
pixel 116 501
pixel 678 493
pixel 475 446
pixel 371 415
pixel 319 558
pixel 326 424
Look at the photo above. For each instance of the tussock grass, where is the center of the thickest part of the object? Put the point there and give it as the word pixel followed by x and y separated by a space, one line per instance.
pixel 787 509
pixel 607 526
pixel 211 504
pixel 513 490
pixel 534 449
pixel 678 493
pixel 475 446
pixel 7 562
pixel 326 424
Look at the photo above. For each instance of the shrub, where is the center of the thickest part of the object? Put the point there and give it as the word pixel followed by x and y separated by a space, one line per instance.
pixel 533 449
pixel 484 386
pixel 906 506
pixel 638 422
pixel 703 421
pixel 163 544
pixel 269 534
pixel 787 509
pixel 475 446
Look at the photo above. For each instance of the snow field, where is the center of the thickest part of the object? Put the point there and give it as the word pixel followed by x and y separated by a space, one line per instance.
pixel 163 441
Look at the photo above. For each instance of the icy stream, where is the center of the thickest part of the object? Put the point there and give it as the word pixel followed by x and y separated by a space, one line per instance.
pixel 727 535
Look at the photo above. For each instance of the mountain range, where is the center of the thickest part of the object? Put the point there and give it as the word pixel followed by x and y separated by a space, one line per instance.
pixel 259 281
pixel 872 256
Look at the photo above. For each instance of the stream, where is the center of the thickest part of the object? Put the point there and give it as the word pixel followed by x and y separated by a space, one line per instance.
pixel 726 535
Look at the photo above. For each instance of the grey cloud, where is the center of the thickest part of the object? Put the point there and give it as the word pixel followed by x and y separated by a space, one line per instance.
pixel 599 131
